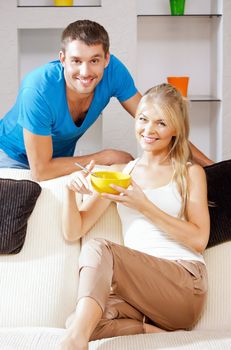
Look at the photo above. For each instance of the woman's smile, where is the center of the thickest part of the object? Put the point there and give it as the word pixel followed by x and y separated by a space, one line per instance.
pixel 149 139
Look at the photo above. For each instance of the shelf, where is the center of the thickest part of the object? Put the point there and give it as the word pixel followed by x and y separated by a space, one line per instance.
pixel 61 7
pixel 203 98
pixel 186 15
pixel 51 3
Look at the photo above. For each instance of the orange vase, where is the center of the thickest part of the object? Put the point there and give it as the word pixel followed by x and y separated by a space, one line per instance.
pixel 180 83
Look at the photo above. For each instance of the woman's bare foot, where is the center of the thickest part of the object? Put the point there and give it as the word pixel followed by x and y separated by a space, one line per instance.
pixel 82 324
pixel 152 329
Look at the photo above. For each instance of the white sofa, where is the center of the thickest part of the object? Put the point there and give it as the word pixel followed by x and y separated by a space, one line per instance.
pixel 38 286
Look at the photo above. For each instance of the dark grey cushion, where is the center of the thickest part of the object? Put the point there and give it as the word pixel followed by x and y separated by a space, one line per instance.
pixel 17 201
pixel 219 194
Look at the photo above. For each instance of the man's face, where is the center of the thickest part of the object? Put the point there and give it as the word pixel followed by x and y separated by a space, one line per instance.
pixel 83 66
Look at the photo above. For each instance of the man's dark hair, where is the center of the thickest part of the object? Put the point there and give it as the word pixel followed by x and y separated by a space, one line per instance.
pixel 89 32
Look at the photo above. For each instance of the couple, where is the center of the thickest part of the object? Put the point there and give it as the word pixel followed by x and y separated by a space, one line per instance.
pixel 157 282
pixel 59 101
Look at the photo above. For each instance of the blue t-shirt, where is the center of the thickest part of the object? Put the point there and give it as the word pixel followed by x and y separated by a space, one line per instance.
pixel 41 107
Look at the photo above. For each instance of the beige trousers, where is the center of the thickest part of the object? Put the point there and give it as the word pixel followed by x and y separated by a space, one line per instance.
pixel 132 288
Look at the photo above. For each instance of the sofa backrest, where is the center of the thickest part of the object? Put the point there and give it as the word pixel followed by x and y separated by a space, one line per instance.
pixel 38 286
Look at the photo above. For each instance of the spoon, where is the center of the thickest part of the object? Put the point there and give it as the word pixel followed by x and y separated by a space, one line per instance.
pixel 86 170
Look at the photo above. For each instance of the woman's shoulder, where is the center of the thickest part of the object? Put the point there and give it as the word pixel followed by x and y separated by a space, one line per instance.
pixel 195 171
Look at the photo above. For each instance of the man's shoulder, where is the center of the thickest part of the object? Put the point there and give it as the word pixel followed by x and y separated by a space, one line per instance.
pixel 115 62
pixel 118 80
pixel 116 69
pixel 45 79
pixel 45 73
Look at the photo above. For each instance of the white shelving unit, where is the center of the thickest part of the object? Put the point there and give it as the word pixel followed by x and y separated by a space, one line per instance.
pixel 188 45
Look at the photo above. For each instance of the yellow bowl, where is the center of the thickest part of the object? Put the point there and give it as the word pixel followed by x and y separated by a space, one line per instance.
pixel 104 179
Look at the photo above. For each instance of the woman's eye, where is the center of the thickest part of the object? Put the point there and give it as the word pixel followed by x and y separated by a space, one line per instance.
pixel 162 124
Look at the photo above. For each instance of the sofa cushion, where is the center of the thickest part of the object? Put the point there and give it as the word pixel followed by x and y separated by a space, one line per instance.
pixel 50 338
pixel 217 313
pixel 108 227
pixel 17 200
pixel 219 195
pixel 38 285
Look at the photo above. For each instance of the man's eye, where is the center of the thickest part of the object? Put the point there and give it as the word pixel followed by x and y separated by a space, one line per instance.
pixel 95 61
pixel 75 61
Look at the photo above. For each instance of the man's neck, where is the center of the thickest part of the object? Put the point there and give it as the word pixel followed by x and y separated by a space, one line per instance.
pixel 73 96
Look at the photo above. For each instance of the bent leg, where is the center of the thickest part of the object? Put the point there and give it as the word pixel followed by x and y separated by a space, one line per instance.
pixel 119 318
pixel 170 293
pixel 96 270
pixel 164 291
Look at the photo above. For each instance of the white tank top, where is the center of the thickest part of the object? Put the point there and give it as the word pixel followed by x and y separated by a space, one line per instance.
pixel 141 234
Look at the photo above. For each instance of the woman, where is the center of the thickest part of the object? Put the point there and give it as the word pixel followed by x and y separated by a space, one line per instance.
pixel 157 282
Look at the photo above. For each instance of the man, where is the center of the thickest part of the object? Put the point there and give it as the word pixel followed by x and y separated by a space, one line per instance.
pixel 59 101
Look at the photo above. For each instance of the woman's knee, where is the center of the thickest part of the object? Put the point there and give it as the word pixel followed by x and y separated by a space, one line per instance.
pixel 95 252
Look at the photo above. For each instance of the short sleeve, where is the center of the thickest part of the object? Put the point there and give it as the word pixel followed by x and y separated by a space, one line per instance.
pixel 34 112
pixel 123 84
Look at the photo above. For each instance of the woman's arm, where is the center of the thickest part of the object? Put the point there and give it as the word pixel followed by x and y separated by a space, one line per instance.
pixel 76 222
pixel 193 233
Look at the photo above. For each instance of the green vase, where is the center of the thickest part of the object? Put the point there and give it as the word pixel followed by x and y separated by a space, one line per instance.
pixel 177 7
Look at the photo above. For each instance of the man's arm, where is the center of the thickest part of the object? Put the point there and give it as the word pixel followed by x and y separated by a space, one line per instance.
pixel 199 157
pixel 43 167
pixel 131 104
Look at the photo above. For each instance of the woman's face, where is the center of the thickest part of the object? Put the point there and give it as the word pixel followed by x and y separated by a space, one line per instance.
pixel 153 131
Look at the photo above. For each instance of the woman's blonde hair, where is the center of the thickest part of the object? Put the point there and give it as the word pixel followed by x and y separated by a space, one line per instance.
pixel 171 105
